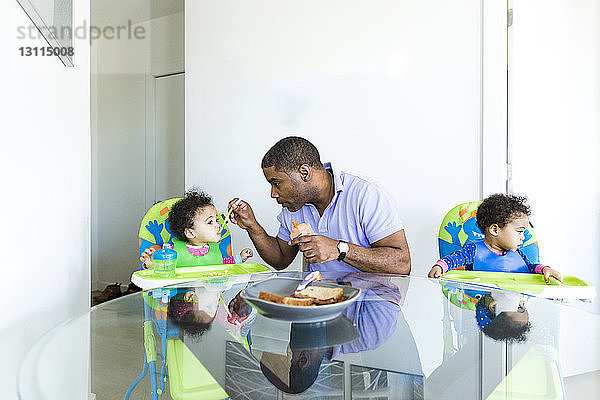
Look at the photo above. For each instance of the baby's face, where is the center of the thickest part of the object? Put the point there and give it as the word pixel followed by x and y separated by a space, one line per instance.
pixel 206 226
pixel 511 236
pixel 511 304
pixel 205 303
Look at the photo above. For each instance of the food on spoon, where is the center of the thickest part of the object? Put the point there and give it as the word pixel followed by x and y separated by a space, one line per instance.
pixel 302 229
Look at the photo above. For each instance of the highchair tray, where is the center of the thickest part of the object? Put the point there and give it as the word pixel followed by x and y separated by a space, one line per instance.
pixel 571 288
pixel 146 280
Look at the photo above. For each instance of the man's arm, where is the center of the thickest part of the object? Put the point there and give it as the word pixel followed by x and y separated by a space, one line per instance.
pixel 276 252
pixel 273 250
pixel 387 255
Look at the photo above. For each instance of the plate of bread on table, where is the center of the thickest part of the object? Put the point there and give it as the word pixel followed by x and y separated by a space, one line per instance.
pixel 300 300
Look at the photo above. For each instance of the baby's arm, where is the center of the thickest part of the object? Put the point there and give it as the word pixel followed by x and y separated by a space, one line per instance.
pixel 244 255
pixel 465 256
pixel 548 272
pixel 540 268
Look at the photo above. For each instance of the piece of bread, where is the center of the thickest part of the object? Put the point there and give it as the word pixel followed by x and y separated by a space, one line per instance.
pixel 293 301
pixel 270 297
pixel 321 294
pixel 300 230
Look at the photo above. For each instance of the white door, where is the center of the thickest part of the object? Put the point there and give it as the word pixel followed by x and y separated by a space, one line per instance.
pixel 169 150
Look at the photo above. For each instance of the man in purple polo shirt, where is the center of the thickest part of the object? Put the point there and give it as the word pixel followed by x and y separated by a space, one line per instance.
pixel 355 223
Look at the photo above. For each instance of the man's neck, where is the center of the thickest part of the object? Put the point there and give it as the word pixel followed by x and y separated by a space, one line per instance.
pixel 326 190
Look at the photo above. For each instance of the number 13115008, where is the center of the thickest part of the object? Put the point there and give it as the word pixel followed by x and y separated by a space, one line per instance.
pixel 46 51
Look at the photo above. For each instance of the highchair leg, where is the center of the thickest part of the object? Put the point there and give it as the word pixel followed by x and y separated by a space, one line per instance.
pixel 150 358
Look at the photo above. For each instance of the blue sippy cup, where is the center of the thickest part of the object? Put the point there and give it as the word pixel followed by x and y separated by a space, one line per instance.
pixel 164 262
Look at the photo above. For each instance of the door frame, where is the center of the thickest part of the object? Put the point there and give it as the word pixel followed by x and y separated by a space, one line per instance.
pixel 150 137
pixel 494 98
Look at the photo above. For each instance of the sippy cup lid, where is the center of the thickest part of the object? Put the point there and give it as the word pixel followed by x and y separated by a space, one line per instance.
pixel 166 253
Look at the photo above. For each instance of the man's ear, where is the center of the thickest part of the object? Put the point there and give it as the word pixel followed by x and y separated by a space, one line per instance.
pixel 189 233
pixel 305 172
pixel 493 229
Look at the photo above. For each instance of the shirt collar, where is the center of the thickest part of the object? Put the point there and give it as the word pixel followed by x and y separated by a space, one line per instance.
pixel 337 179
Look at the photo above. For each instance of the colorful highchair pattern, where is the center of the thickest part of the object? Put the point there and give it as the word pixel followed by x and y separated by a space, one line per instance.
pixel 155 229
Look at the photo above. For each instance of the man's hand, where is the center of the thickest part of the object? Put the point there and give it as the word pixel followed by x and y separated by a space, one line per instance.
pixel 317 248
pixel 548 272
pixel 435 272
pixel 242 214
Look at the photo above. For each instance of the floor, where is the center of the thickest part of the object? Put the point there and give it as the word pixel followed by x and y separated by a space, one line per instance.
pixel 584 386
pixel 117 353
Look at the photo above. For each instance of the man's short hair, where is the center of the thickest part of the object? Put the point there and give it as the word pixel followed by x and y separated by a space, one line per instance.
pixel 290 153
pixel 300 379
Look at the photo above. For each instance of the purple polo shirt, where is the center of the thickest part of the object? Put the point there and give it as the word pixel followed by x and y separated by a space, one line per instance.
pixel 360 212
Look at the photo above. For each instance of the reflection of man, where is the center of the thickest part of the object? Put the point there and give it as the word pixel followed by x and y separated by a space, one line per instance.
pixel 294 372
pixel 374 314
pixel 355 223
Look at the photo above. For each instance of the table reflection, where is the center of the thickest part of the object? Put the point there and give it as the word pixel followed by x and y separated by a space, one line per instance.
pixel 404 338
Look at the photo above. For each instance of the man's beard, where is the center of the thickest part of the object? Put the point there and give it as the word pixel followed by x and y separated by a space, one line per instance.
pixel 302 196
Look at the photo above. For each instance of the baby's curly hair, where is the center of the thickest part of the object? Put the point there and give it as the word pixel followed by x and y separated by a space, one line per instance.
pixel 503 329
pixel 181 216
pixel 185 319
pixel 500 209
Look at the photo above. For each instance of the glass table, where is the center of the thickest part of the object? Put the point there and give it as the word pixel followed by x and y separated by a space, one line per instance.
pixel 403 338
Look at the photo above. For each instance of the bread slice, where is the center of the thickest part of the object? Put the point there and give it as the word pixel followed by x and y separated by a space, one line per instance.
pixel 293 301
pixel 321 294
pixel 270 297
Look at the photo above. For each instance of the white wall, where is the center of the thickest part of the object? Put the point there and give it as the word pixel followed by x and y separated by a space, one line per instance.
pixel 388 89
pixel 45 163
pixel 121 75
pixel 555 129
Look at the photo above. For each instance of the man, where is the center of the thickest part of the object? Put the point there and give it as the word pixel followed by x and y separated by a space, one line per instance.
pixel 355 223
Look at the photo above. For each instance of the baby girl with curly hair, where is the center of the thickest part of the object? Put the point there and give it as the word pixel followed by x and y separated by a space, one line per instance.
pixel 194 223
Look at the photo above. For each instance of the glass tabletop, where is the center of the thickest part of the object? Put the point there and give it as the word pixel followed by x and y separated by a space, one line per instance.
pixel 402 338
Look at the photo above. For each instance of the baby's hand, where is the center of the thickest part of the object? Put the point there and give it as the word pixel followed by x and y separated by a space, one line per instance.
pixel 436 272
pixel 238 309
pixel 548 272
pixel 246 254
pixel 146 257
